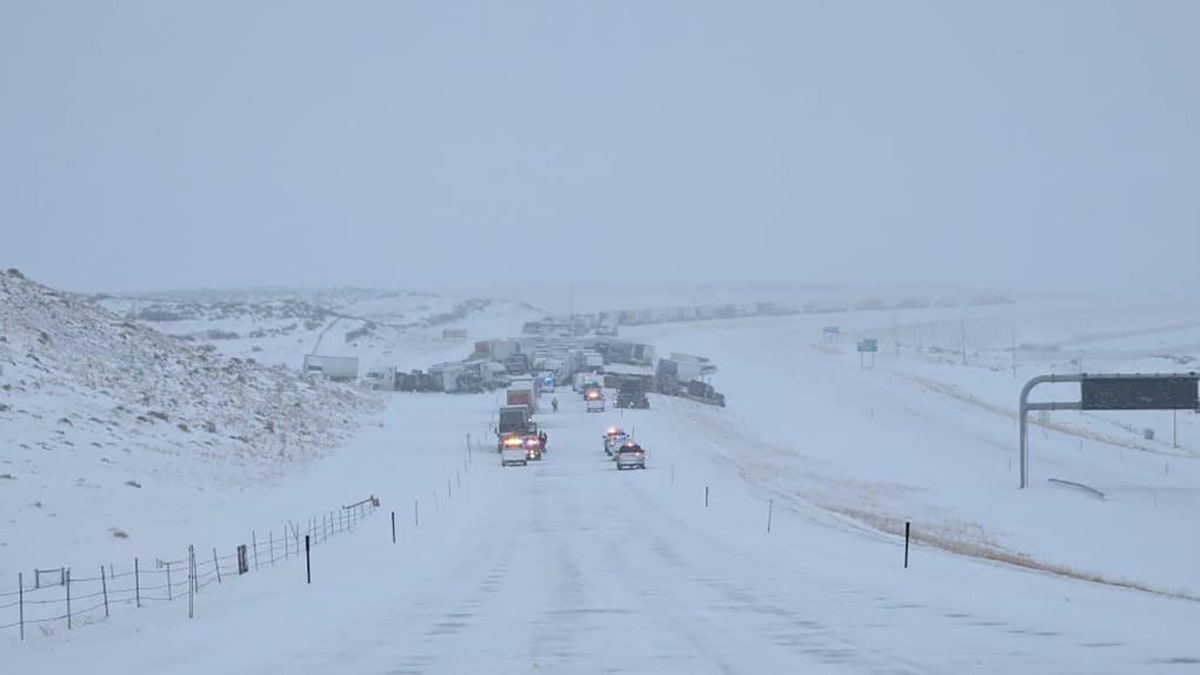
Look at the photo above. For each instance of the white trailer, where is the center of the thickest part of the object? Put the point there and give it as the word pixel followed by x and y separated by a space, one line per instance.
pixel 494 374
pixel 380 378
pixel 690 361
pixel 450 375
pixel 337 368
pixel 502 349
pixel 686 371
pixel 557 366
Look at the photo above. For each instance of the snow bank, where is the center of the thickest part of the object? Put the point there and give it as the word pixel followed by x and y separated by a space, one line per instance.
pixel 106 424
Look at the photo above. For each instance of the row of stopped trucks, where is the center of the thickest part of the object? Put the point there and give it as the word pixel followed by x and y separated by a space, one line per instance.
pixel 629 367
pixel 681 375
pixel 631 390
pixel 494 365
pixel 516 431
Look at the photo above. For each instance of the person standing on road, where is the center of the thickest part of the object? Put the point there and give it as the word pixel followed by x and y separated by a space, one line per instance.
pixel 554 403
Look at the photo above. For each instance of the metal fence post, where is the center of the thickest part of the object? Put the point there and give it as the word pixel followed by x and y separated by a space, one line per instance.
pixel 21 602
pixel 104 589
pixel 906 531
pixel 191 583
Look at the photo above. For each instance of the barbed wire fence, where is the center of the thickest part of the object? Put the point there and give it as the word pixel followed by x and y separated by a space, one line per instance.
pixel 68 597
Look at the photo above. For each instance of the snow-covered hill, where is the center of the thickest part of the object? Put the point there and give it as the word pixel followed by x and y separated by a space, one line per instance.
pixel 106 424
pixel 381 327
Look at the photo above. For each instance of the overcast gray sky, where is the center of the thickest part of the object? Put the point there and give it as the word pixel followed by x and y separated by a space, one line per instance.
pixel 151 145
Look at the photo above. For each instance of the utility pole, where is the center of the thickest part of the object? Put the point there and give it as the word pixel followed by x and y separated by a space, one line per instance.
pixel 1014 352
pixel 963 327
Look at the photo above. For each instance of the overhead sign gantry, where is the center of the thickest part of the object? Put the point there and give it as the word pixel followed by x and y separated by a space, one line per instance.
pixel 1156 391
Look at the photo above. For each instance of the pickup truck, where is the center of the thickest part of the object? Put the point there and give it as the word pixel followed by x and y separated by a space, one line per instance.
pixel 513 452
pixel 631 456
pixel 595 400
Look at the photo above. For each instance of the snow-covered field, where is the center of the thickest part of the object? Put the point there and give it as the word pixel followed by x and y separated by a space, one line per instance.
pixel 927 439
pixel 572 566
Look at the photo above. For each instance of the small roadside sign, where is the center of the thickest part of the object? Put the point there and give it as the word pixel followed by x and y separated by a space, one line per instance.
pixel 867 346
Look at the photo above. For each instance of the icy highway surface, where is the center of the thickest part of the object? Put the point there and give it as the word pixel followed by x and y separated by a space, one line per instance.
pixel 570 566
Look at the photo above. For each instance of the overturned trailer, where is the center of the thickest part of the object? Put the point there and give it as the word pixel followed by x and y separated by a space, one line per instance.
pixel 380 379
pixel 675 373
pixel 449 374
pixel 704 393
pixel 625 351
pixel 684 375
pixel 619 375
pixel 418 381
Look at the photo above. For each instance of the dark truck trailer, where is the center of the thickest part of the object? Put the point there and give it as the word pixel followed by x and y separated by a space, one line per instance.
pixel 704 393
pixel 418 381
pixel 632 394
pixel 517 364
pixel 514 419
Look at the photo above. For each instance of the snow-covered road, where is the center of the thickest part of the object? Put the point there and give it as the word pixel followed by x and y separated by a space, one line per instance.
pixel 569 565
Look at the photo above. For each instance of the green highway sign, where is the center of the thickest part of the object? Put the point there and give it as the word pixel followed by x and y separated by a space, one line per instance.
pixel 868 345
